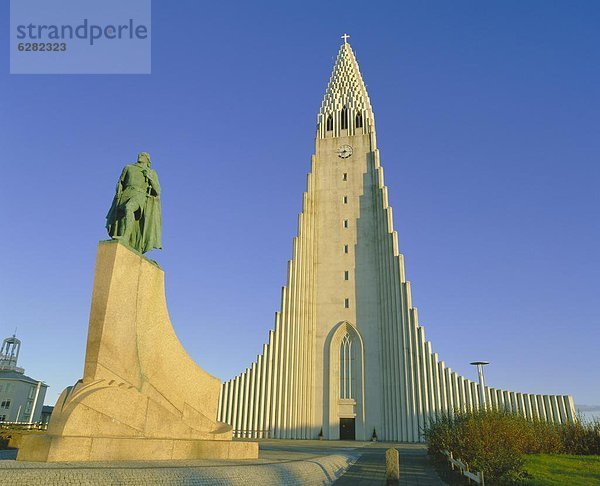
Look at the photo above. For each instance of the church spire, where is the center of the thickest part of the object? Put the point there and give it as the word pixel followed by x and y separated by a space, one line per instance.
pixel 346 107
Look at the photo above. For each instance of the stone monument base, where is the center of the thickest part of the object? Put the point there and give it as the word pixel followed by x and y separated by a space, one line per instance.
pixel 141 396
pixel 47 448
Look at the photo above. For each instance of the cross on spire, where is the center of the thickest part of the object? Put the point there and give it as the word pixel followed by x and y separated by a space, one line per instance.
pixel 345 37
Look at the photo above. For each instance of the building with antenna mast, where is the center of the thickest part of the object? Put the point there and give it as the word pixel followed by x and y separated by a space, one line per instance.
pixel 21 397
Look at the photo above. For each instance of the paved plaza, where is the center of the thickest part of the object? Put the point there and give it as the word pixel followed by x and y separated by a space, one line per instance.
pixel 416 468
pixel 281 462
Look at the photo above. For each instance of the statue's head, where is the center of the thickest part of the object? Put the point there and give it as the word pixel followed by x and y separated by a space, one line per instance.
pixel 144 158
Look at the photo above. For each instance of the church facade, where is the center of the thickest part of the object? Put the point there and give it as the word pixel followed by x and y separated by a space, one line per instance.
pixel 347 356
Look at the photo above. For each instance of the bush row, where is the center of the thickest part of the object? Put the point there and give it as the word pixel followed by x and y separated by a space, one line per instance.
pixel 496 441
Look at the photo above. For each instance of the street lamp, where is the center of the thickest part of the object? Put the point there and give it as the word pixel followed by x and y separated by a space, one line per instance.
pixel 480 365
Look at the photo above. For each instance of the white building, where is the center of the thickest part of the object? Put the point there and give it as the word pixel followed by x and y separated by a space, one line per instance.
pixel 347 355
pixel 21 397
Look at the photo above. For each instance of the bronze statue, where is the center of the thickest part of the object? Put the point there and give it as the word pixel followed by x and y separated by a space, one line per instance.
pixel 135 217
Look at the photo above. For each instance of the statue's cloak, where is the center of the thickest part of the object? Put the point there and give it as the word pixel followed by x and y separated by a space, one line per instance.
pixel 151 227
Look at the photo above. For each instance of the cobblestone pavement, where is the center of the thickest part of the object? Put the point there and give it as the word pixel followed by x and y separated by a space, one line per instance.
pixel 415 467
pixel 281 462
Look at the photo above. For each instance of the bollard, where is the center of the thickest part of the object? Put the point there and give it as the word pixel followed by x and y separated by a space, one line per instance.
pixel 392 467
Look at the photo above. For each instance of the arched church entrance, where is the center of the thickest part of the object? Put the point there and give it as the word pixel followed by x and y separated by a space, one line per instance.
pixel 345 408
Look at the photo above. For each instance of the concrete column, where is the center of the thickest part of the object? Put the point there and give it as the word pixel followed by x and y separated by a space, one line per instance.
pixel 269 390
pixel 534 407
pixel 418 418
pixel 562 408
pixel 388 335
pixel 488 396
pixel 285 362
pixel 292 392
pixel 444 405
pixel 262 409
pixel 548 407
pixel 399 392
pixel 278 371
pixel 492 399
pixel 437 395
pixel 223 401
pixel 464 405
pixel 448 390
pixel 423 373
pixel 244 403
pixel 236 404
pixel 541 407
pixel 230 401
pixel 413 422
pixel 475 395
pixel 251 398
pixel 555 409
pixel 571 413
pixel 456 398
pixel 300 371
pixel 519 401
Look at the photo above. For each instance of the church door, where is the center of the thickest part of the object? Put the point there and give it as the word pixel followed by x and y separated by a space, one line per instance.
pixel 347 429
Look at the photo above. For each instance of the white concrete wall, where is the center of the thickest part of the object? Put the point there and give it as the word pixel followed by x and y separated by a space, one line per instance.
pixel 18 393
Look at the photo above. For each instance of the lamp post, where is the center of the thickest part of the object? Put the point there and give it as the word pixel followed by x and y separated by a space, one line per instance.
pixel 480 365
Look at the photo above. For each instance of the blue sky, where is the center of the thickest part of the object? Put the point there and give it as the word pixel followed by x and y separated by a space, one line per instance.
pixel 487 118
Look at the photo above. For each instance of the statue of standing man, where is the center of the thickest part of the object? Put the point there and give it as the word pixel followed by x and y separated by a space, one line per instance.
pixel 135 217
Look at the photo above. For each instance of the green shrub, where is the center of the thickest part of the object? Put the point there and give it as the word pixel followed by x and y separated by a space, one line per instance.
pixel 488 441
pixel 496 442
pixel 581 437
pixel 542 437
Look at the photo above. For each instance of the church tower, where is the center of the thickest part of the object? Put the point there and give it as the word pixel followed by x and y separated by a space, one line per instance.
pixel 348 356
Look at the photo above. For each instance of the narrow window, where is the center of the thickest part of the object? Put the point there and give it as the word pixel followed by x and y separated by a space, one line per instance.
pixel 344 121
pixel 347 303
pixel 346 367
pixel 345 176
pixel 345 248
pixel 359 121
pixel 346 223
pixel 346 275
pixel 329 124
pixel 345 199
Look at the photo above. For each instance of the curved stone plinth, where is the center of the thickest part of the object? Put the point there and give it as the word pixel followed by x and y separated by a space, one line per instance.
pixel 141 396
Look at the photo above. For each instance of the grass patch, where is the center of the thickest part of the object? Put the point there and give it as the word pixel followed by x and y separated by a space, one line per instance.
pixel 500 442
pixel 558 470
